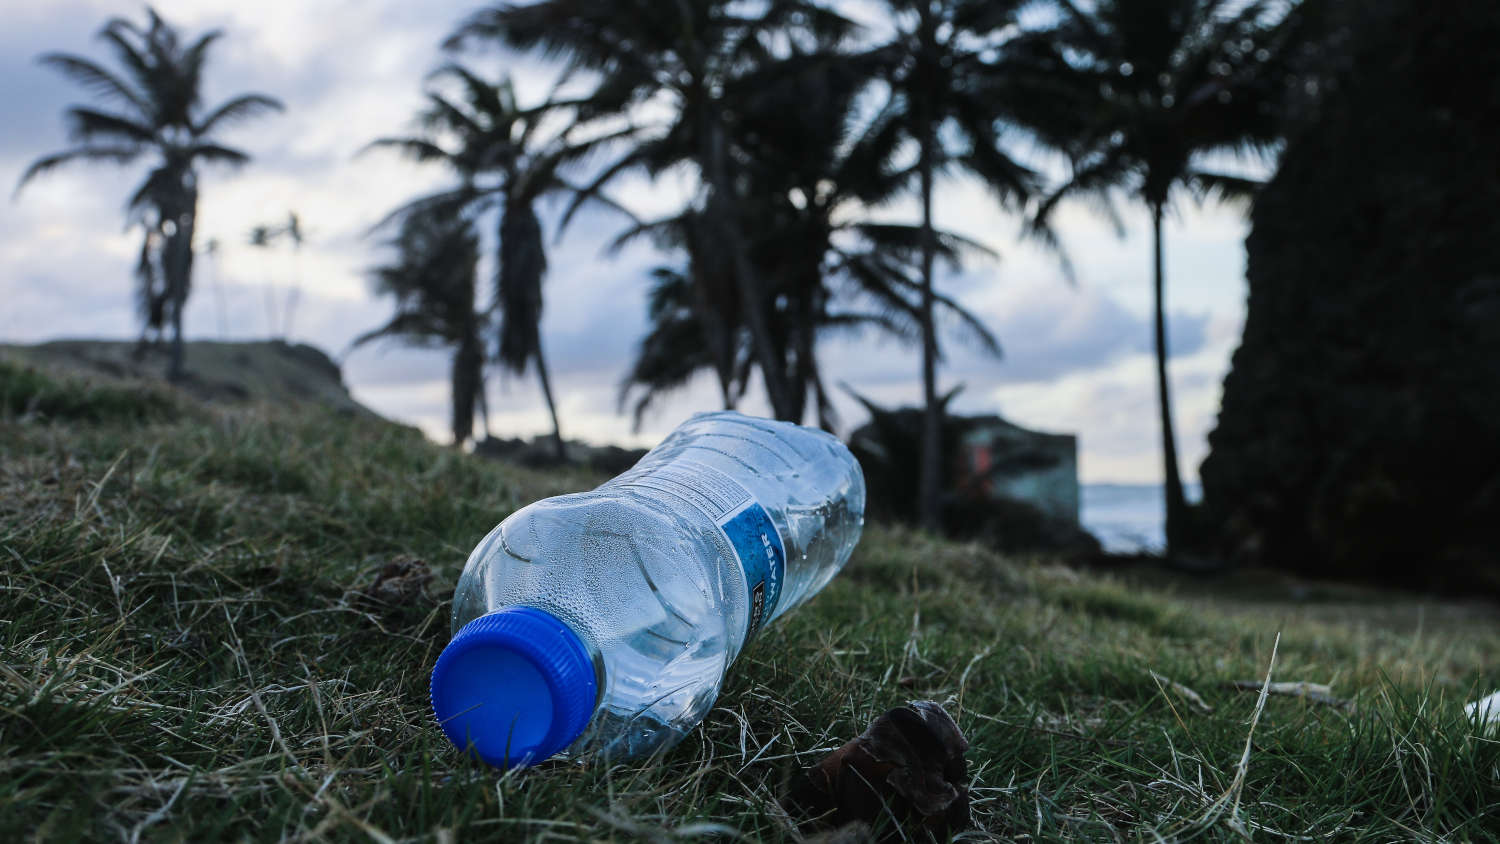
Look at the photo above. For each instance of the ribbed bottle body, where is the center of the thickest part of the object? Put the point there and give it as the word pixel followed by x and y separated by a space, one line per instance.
pixel 666 571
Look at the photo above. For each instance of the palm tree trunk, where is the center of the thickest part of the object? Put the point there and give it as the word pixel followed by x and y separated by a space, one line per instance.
pixel 806 340
pixel 175 369
pixel 541 374
pixel 465 387
pixel 930 487
pixel 180 274
pixel 293 296
pixel 270 302
pixel 825 407
pixel 1177 509
pixel 751 292
pixel 457 426
pixel 218 292
pixel 725 390
pixel 484 406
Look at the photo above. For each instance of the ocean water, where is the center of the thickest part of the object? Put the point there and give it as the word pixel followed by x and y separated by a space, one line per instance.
pixel 1128 518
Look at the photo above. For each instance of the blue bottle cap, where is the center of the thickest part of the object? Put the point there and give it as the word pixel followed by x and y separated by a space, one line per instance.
pixel 514 687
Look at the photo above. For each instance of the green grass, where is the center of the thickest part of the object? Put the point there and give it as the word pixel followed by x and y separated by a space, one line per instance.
pixel 27 392
pixel 185 654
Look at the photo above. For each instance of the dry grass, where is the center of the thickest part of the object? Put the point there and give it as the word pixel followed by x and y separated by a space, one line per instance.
pixel 187 652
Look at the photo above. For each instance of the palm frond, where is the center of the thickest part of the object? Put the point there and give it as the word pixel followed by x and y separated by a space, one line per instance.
pixel 856 322
pixel 441 204
pixel 97 80
pixel 114 155
pixel 417 149
pixel 1011 182
pixel 867 164
pixel 413 328
pixel 894 289
pixel 483 97
pixel 87 125
pixel 1096 179
pixel 243 107
pixel 190 69
pixel 595 189
pixel 1220 187
pixel 970 328
pixel 597 198
pixel 985 16
pixel 218 154
pixel 1040 231
pixel 667 359
pixel 118 34
pixel 906 240
pixel 444 115
pixel 665 233
pixel 827 27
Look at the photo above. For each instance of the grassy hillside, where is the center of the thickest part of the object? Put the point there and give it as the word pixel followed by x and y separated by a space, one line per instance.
pixel 220 372
pixel 192 647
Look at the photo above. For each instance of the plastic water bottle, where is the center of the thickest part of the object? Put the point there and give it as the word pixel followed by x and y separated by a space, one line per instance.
pixel 603 622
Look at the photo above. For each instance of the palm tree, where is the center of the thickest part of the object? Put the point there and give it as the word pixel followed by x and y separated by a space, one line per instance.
pixel 816 166
pixel 432 279
pixel 158 111
pixel 490 144
pixel 688 55
pixel 264 237
pixel 1159 91
pixel 812 165
pixel 211 248
pixel 294 232
pixel 941 68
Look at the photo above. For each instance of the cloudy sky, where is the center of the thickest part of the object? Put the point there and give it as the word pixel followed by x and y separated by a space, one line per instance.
pixel 1077 358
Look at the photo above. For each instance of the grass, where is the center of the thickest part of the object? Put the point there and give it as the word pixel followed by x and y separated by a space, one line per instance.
pixel 28 392
pixel 186 652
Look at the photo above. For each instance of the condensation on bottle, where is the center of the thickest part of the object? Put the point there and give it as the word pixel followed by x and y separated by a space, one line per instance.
pixel 602 623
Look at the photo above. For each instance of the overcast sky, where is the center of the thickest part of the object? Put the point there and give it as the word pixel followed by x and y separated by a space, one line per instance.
pixel 1077 358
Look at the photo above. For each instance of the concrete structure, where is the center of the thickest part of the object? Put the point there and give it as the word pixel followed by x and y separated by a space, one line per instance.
pixel 1001 460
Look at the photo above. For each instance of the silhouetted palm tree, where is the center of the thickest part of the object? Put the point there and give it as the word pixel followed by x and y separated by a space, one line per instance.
pixel 157 111
pixel 264 237
pixel 811 166
pixel 1156 92
pixel 432 279
pixel 688 55
pixel 297 236
pixel 490 143
pixel 941 69
pixel 211 249
pixel 816 166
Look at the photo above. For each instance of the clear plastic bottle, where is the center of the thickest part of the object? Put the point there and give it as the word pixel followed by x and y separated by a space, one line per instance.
pixel 603 622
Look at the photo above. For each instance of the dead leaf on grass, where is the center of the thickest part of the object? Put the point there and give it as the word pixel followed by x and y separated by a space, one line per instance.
pixel 905 772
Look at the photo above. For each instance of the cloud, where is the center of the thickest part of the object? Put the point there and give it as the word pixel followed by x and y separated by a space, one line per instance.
pixel 1049 331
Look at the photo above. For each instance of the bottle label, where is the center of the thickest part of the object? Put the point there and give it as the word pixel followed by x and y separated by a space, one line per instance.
pixel 751 534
